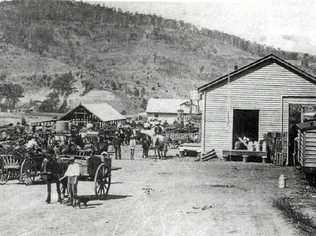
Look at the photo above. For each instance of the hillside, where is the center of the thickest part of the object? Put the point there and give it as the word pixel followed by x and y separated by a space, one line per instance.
pixel 131 56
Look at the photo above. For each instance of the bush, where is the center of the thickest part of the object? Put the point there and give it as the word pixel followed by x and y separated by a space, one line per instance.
pixel 113 85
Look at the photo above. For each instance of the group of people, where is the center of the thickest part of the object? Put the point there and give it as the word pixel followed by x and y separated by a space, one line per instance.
pixel 54 146
pixel 158 140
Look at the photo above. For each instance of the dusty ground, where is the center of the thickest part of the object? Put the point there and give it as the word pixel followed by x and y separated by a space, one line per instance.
pixel 158 197
pixel 299 202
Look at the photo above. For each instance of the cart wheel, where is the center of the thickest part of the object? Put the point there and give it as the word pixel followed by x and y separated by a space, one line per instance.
pixel 102 181
pixel 25 172
pixel 4 177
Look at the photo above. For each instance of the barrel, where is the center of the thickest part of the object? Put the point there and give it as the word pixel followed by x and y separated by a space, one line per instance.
pixel 62 126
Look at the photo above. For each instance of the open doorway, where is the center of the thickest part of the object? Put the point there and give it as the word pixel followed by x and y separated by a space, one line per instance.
pixel 245 124
pixel 297 113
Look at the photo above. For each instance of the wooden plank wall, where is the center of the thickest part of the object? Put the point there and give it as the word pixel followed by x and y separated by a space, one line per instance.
pixel 310 149
pixel 259 90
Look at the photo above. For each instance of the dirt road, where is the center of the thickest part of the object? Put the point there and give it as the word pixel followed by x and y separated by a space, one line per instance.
pixel 148 197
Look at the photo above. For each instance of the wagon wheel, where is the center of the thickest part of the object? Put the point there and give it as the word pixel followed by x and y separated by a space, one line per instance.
pixel 4 176
pixel 102 181
pixel 25 172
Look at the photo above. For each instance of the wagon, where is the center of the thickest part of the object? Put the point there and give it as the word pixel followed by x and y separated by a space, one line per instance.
pixel 25 169
pixel 94 168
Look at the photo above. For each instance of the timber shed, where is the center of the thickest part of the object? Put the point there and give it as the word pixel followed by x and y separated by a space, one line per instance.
pixel 99 114
pixel 252 101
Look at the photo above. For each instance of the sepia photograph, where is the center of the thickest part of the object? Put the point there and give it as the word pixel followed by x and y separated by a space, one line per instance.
pixel 157 118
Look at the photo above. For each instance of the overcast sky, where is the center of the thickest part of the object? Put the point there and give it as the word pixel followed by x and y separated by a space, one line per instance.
pixel 285 24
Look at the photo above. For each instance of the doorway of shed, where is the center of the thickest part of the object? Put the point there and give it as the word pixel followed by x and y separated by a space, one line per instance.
pixel 245 124
pixel 297 113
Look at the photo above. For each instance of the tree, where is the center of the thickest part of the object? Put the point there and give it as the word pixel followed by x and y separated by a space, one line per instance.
pixel 142 91
pixel 136 92
pixel 143 105
pixel 88 85
pixel 12 93
pixel 64 84
pixel 50 104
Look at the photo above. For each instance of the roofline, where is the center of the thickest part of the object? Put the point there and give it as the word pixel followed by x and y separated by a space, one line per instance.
pixel 280 61
pixel 89 111
pixel 170 113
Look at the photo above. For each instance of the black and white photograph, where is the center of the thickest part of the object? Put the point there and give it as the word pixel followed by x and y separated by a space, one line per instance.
pixel 157 118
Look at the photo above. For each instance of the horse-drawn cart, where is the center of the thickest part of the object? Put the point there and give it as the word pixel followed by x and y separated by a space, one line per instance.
pixel 96 168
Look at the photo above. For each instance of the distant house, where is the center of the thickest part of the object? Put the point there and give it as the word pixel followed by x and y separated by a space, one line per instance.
pixel 164 109
pixel 254 100
pixel 98 114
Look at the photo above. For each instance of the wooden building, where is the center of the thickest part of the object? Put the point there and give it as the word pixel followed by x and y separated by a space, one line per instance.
pixel 100 114
pixel 164 109
pixel 252 101
pixel 170 109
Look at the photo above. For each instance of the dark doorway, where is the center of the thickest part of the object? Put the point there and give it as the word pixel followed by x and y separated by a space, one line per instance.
pixel 246 124
pixel 297 113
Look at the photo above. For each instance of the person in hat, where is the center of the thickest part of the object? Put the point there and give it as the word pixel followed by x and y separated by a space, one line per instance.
pixel 132 144
pixel 104 155
pixel 117 141
pixel 72 173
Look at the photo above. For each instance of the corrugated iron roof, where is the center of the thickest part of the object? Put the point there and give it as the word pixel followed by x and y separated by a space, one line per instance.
pixel 261 62
pixel 103 111
pixel 164 105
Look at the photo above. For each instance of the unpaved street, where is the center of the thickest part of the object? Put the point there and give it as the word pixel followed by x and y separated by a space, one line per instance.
pixel 148 197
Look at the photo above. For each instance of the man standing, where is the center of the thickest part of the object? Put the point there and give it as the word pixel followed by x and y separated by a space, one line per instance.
pixel 117 141
pixel 72 173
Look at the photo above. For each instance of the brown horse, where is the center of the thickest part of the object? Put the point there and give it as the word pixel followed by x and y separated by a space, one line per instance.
pixel 161 146
pixel 53 170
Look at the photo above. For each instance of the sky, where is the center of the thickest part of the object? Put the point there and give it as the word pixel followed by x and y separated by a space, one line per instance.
pixel 286 24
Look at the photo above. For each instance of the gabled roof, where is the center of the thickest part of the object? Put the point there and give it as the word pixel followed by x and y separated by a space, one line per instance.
pixel 164 105
pixel 103 111
pixel 258 64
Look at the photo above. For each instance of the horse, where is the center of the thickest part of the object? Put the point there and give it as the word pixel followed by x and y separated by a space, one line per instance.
pixel 159 142
pixel 161 146
pixel 54 169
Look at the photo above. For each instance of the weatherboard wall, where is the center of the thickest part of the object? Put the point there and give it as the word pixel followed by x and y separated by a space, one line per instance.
pixel 262 89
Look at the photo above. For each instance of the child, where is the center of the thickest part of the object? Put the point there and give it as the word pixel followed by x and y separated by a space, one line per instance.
pixel 132 145
pixel 72 173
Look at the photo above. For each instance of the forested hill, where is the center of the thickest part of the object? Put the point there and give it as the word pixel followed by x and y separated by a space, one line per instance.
pixel 63 49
